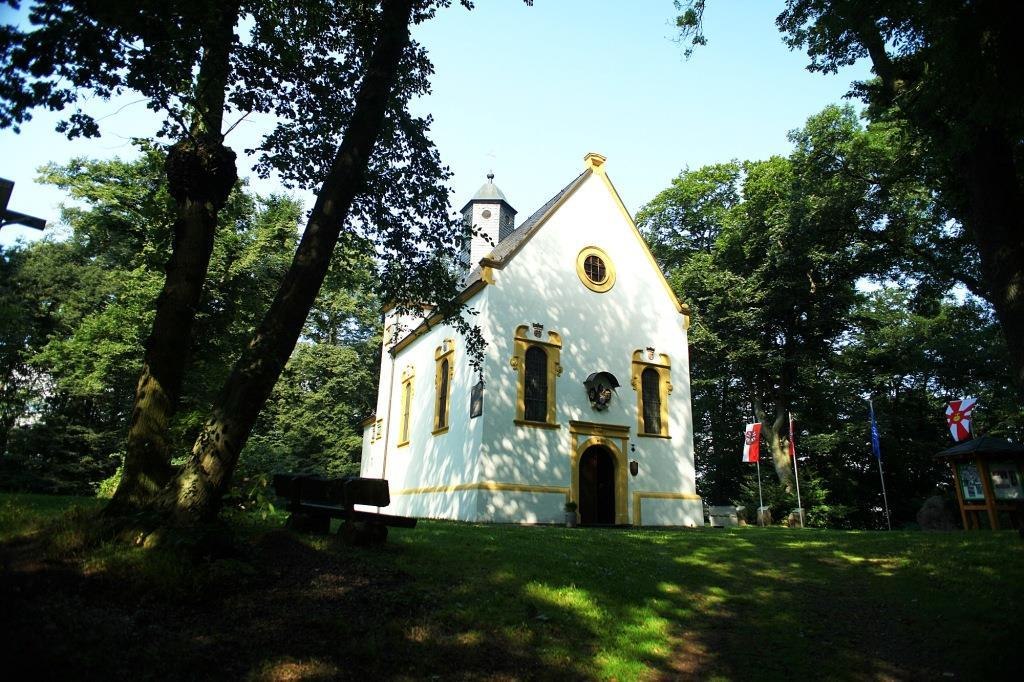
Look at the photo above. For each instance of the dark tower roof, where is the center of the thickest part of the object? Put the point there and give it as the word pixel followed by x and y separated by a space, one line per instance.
pixel 489 192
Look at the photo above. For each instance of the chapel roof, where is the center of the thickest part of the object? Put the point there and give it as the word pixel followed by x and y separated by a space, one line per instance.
pixel 507 247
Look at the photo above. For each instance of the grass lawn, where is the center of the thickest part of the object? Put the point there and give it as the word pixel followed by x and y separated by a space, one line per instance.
pixel 464 601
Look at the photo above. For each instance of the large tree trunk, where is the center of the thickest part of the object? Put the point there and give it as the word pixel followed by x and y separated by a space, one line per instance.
pixel 196 493
pixel 996 222
pixel 775 432
pixel 200 173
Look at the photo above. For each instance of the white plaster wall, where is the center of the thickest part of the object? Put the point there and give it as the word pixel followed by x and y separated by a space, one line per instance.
pixel 659 512
pixel 509 506
pixel 599 332
pixel 442 461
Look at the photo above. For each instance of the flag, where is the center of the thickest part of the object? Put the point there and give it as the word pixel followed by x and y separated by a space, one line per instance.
pixel 751 443
pixel 876 447
pixel 792 439
pixel 958 418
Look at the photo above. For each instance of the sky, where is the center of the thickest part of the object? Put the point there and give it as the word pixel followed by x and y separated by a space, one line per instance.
pixel 526 92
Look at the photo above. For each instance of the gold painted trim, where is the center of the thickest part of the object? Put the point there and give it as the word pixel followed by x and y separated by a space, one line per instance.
pixel 536 425
pixel 377 431
pixel 640 495
pixel 438 432
pixel 594 160
pixel 493 486
pixel 369 421
pixel 599 170
pixel 425 326
pixel 621 467
pixel 405 414
pixel 440 355
pixel 609 266
pixel 663 366
pixel 498 265
pixel 596 429
pixel 553 349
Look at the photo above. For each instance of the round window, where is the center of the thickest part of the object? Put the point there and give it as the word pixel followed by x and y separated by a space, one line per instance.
pixel 595 269
pixel 486 213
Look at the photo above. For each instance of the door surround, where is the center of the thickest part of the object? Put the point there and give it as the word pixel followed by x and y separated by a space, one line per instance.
pixel 583 435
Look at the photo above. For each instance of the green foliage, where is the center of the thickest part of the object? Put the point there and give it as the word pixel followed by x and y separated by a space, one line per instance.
pixel 773 257
pixel 107 486
pixel 80 309
pixel 818 512
pixel 311 421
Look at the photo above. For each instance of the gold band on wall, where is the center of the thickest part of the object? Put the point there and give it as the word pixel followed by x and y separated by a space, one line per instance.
pixel 638 496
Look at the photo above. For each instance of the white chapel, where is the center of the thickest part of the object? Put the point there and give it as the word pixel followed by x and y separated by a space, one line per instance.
pixel 584 393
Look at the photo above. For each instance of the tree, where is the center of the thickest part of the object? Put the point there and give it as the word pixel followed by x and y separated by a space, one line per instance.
pixel 391 195
pixel 768 253
pixel 78 308
pixel 87 299
pixel 952 73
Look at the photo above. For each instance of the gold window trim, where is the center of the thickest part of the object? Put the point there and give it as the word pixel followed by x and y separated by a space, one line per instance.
pixel 405 415
pixel 446 351
pixel 663 366
pixel 376 430
pixel 609 279
pixel 552 346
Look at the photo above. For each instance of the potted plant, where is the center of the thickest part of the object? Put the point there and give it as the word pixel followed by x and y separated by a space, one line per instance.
pixel 570 514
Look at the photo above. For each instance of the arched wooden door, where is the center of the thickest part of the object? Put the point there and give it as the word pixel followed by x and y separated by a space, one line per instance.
pixel 597 486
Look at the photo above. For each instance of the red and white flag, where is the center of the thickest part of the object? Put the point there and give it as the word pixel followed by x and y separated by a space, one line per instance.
pixel 792 439
pixel 751 443
pixel 958 418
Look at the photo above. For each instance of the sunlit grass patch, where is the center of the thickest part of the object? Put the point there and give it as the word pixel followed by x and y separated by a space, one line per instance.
pixel 451 600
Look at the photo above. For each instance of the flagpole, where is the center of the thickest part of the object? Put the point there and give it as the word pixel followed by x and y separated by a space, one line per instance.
pixel 760 499
pixel 878 456
pixel 796 476
pixel 888 521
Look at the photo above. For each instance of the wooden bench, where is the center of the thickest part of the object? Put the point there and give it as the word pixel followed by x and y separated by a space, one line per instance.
pixel 313 501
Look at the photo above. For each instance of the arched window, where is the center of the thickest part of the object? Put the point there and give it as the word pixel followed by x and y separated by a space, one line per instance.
pixel 536 384
pixel 652 381
pixel 403 431
pixel 444 363
pixel 536 361
pixel 442 399
pixel 650 385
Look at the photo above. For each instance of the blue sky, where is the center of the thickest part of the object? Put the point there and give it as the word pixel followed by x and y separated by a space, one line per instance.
pixel 527 91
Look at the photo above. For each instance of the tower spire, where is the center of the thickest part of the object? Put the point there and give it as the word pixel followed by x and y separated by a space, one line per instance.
pixel 492 216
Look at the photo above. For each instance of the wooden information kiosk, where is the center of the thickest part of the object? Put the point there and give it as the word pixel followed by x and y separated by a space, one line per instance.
pixel 989 484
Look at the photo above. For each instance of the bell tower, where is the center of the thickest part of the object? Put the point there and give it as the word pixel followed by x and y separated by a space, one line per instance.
pixel 492 216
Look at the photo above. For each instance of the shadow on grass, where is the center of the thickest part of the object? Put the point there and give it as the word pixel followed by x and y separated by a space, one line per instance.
pixel 747 604
pixel 290 610
pixel 462 601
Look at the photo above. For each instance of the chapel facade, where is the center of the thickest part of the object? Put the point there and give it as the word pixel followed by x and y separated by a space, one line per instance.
pixel 584 392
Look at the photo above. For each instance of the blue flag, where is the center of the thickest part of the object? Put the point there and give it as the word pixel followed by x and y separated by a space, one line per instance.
pixel 876 448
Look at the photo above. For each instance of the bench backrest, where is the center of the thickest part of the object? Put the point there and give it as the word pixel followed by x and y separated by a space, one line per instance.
pixel 341 491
